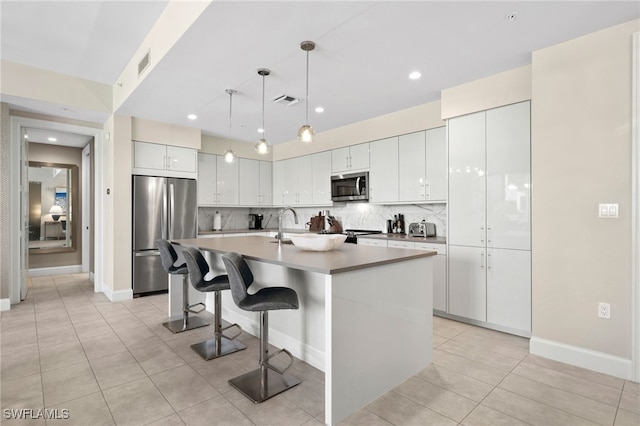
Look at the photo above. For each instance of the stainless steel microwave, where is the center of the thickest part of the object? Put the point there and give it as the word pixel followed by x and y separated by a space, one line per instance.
pixel 350 187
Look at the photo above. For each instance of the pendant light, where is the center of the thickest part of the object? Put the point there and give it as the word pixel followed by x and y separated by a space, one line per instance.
pixel 305 134
pixel 229 155
pixel 262 147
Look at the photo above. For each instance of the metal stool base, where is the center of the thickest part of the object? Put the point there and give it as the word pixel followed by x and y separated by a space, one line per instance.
pixel 263 383
pixel 178 326
pixel 208 348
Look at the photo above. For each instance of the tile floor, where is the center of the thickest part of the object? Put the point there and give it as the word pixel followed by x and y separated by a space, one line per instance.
pixel 108 363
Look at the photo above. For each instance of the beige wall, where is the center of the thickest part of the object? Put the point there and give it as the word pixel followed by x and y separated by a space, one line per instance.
pixel 421 117
pixel 217 145
pixel 23 81
pixel 497 90
pixel 64 155
pixel 581 156
pixel 163 133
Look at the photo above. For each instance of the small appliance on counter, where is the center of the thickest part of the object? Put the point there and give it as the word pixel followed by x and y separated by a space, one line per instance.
pixel 255 221
pixel 217 222
pixel 422 229
pixel 396 225
pixel 316 224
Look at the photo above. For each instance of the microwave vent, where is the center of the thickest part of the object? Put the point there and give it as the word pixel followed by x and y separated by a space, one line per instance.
pixel 285 99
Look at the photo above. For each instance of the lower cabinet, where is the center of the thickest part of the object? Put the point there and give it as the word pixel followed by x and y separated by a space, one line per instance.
pixel 439 265
pixel 491 285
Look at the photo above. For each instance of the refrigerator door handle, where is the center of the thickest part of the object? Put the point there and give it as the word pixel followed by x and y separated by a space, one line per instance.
pixel 163 222
pixel 172 198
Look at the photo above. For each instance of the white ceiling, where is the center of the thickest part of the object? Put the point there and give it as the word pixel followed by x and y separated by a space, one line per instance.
pixel 359 69
pixel 61 138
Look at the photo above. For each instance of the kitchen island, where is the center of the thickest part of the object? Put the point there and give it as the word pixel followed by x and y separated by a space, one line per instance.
pixel 365 315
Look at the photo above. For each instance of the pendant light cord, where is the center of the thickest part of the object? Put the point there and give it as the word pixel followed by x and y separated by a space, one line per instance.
pixel 264 131
pixel 307 91
pixel 230 109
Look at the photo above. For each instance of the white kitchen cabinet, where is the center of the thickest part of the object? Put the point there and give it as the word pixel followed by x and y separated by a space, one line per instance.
pixel 509 288
pixel 509 177
pixel 467 282
pixel 321 178
pixel 297 181
pixel 350 158
pixel 372 242
pixel 412 167
pixel 383 174
pixel 401 244
pixel 254 182
pixel 439 274
pixel 164 160
pixel 436 164
pixel 423 166
pixel 207 189
pixel 489 217
pixel 227 181
pixel 467 193
pixel 278 183
pixel 217 181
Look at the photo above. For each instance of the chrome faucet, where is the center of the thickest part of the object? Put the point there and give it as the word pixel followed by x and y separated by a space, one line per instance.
pixel 280 213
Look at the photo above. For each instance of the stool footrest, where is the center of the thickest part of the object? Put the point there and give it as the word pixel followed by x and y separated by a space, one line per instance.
pixel 202 305
pixel 234 336
pixel 277 370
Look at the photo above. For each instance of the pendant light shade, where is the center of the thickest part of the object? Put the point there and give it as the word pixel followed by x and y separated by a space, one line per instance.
pixel 306 133
pixel 229 155
pixel 263 147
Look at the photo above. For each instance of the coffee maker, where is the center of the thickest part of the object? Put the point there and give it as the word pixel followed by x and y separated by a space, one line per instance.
pixel 255 221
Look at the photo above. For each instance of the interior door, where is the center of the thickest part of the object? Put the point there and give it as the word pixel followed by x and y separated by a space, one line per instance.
pixel 25 279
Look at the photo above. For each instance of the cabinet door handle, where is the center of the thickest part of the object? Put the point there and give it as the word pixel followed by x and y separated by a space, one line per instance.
pixel 482 234
pixel 488 235
pixel 488 260
pixel 482 260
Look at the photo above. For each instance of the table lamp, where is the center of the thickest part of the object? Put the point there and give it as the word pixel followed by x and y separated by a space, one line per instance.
pixel 55 211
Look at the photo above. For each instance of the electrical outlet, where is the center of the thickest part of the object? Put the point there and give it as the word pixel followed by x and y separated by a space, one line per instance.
pixel 604 310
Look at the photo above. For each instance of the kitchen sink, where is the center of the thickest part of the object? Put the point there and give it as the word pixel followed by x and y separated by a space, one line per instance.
pixel 284 241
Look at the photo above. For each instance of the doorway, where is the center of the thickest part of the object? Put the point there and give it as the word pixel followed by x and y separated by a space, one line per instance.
pixel 19 215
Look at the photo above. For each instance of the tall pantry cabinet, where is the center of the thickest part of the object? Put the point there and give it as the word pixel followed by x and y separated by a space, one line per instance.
pixel 490 218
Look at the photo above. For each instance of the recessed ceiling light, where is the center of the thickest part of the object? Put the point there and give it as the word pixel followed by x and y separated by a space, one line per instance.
pixel 319 109
pixel 192 116
pixel 52 139
pixel 512 16
pixel 415 75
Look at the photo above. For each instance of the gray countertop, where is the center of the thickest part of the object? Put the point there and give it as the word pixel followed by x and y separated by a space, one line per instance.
pixel 347 257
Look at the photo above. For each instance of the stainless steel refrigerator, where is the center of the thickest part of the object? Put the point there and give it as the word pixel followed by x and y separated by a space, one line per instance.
pixel 162 208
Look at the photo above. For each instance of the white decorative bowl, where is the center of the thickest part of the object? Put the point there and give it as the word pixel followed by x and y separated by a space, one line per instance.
pixel 318 242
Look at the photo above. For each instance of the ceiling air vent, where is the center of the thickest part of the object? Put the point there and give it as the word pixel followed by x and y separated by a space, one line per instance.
pixel 144 63
pixel 285 99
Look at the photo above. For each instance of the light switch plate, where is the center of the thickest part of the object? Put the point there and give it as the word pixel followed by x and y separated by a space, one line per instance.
pixel 608 210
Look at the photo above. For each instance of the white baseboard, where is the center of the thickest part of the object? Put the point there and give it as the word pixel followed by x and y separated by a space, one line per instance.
pixel 581 357
pixel 56 270
pixel 297 348
pixel 119 295
pixel 5 304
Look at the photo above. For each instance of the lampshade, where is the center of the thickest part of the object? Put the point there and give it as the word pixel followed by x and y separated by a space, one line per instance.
pixel 56 211
pixel 305 134
pixel 262 147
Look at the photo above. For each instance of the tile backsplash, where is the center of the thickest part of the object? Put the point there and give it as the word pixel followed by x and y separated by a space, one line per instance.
pixel 351 216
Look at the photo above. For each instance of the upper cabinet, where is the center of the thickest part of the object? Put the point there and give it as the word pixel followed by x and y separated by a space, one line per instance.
pixel 217 181
pixel 164 160
pixel 350 158
pixel 255 182
pixel 303 181
pixel 423 166
pixel 383 174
